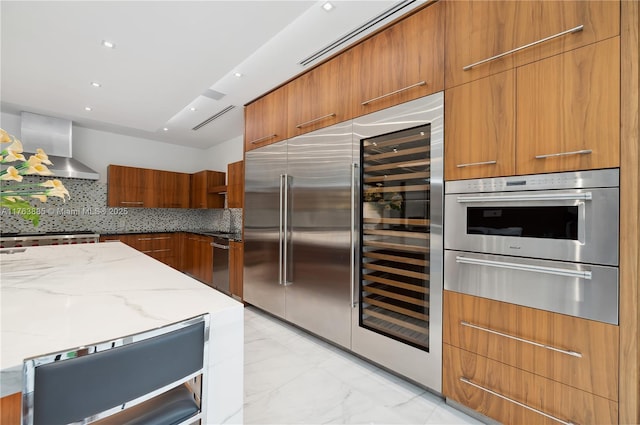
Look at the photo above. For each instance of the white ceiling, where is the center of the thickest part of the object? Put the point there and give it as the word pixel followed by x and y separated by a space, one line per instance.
pixel 167 54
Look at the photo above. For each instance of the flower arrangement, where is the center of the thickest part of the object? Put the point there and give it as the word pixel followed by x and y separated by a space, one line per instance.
pixel 12 195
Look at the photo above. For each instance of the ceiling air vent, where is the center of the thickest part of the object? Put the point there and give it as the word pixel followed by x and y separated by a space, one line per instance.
pixel 213 117
pixel 345 39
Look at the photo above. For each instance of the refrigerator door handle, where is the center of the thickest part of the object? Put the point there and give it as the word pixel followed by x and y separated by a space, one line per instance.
pixel 286 278
pixel 281 209
pixel 354 203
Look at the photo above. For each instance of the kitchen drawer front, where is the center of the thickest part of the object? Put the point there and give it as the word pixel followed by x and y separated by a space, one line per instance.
pixel 153 242
pixel 513 396
pixel 577 352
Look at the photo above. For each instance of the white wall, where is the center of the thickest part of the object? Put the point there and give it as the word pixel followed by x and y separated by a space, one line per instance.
pixel 97 149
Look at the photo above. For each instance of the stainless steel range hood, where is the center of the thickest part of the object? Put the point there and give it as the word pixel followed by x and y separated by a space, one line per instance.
pixel 53 135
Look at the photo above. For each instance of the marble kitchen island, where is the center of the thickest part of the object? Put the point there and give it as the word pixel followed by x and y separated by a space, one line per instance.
pixel 60 297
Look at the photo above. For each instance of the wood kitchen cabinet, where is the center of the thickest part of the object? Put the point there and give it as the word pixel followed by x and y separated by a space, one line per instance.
pixel 480 128
pixel 557 114
pixel 207 189
pixel 236 265
pixel 135 187
pixel 235 185
pixel 128 187
pixel 198 257
pixel 266 119
pixel 401 63
pixel 521 352
pixel 320 97
pixel 164 247
pixel 479 30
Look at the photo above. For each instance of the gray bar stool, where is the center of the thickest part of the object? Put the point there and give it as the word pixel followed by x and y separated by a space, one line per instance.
pixel 156 377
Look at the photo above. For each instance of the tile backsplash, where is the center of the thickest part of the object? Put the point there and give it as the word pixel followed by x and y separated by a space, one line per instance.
pixel 87 210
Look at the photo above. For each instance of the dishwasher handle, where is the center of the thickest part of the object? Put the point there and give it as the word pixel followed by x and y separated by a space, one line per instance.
pixel 217 245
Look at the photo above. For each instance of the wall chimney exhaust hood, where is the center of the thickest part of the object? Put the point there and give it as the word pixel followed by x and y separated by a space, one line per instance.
pixel 53 135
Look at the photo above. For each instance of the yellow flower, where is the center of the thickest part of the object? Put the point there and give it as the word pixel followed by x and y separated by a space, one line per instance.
pixel 38 169
pixel 40 154
pixel 14 155
pixel 13 198
pixel 4 136
pixel 41 198
pixel 58 189
pixel 12 174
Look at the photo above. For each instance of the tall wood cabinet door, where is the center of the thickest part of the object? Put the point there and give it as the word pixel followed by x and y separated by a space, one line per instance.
pixel 235 184
pixel 480 128
pixel 568 111
pixel 265 120
pixel 401 63
pixel 481 30
pixel 320 97
pixel 127 186
pixel 236 263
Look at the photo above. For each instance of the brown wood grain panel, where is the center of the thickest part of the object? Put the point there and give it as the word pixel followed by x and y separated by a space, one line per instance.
pixel 11 409
pixel 597 342
pixel 265 119
pixel 568 103
pixel 236 268
pixel 201 184
pixel 630 216
pixel 480 127
pixel 402 55
pixel 553 398
pixel 235 184
pixel 477 30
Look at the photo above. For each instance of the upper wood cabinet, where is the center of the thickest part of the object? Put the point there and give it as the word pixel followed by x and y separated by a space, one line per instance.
pixel 320 97
pixel 568 111
pixel 170 190
pixel 265 119
pixel 479 128
pixel 206 188
pixel 146 188
pixel 129 187
pixel 558 114
pixel 483 30
pixel 401 63
pixel 235 185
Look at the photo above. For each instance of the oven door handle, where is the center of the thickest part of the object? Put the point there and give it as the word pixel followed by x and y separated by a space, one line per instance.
pixel 580 274
pixel 584 196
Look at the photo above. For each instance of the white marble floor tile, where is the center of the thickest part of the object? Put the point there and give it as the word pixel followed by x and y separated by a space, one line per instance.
pixel 292 377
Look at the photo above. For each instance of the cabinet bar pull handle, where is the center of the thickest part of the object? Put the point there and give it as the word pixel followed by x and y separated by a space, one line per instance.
pixel 551 155
pixel 132 202
pixel 421 83
pixel 473 164
pixel 583 196
pixel 540 412
pixel 144 239
pixel 331 115
pixel 580 274
pixel 253 142
pixel 537 344
pixel 526 46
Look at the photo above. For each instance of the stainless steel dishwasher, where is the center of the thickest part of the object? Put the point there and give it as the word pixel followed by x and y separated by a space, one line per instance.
pixel 221 264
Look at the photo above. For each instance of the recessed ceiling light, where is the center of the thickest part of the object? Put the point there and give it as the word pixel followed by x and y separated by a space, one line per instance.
pixel 192 109
pixel 165 129
pixel 327 6
pixel 238 74
pixel 96 84
pixel 108 44
pixel 87 108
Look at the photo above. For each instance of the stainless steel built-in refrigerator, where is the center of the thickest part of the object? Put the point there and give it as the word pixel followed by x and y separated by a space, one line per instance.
pixel 343 235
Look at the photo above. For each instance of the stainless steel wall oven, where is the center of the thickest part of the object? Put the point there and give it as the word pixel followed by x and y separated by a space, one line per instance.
pixel 546 241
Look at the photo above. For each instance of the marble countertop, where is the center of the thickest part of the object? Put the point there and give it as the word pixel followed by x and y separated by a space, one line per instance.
pixel 59 297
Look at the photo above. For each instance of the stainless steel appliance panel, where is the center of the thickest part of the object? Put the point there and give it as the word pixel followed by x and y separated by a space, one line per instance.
pixel 580 290
pixel 423 367
pixel 318 281
pixel 221 264
pixel 264 169
pixel 593 238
